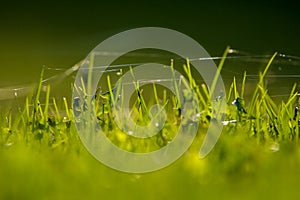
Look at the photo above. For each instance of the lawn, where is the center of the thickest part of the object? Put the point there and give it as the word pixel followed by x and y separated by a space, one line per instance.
pixel 256 157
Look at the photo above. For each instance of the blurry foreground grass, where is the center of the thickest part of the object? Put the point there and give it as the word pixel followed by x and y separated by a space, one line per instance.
pixel 238 168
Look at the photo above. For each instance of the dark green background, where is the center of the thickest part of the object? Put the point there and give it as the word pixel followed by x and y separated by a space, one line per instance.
pixel 59 34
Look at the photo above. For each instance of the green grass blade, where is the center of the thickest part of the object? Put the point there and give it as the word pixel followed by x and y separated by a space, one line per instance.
pixel 218 72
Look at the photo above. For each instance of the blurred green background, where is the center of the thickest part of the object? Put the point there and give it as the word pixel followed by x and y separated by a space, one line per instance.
pixel 61 33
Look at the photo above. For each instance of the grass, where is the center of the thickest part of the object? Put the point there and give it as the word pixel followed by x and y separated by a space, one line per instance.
pixel 257 156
